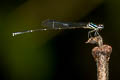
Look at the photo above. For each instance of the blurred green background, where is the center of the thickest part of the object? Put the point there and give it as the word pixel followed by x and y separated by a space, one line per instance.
pixel 55 55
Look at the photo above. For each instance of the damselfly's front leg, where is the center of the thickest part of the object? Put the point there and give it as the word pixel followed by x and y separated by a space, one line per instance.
pixel 90 33
pixel 96 33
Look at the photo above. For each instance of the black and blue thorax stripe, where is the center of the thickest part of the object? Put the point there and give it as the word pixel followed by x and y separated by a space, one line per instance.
pixel 92 26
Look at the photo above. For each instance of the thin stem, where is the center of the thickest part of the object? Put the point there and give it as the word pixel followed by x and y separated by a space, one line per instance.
pixel 101 54
pixel 102 68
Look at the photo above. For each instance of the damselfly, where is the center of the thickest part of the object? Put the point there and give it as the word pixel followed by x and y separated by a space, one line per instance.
pixel 57 25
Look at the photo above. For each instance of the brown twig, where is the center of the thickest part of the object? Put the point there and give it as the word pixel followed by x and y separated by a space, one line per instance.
pixel 101 54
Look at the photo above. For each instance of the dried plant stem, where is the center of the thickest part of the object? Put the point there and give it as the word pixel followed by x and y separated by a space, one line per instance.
pixel 102 68
pixel 101 54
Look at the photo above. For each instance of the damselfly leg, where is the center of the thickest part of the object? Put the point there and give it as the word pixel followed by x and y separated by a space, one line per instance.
pixel 95 33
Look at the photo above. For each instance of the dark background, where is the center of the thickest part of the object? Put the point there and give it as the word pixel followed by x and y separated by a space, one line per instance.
pixel 55 55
